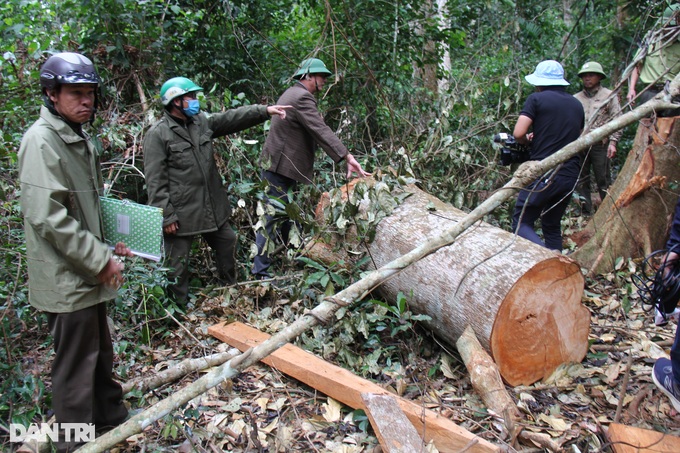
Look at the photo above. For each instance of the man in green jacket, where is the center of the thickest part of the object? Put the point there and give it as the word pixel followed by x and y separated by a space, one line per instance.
pixel 660 64
pixel 182 178
pixel 71 271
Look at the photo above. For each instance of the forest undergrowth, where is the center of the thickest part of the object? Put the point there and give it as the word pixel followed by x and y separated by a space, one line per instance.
pixel 263 410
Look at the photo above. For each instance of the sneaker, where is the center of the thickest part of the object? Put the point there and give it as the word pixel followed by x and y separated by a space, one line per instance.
pixel 662 375
pixel 661 319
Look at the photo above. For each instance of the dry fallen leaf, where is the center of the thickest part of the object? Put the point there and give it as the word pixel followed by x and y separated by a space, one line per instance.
pixel 556 423
pixel 332 410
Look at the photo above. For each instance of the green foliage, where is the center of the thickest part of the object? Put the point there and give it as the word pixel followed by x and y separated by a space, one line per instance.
pixel 383 101
pixel 360 418
pixel 400 319
pixel 366 206
pixel 365 338
pixel 328 279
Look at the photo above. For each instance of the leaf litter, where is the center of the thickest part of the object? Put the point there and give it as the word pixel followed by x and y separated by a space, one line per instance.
pixel 262 410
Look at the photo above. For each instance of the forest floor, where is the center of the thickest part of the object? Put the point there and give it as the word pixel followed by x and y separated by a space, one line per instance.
pixel 262 410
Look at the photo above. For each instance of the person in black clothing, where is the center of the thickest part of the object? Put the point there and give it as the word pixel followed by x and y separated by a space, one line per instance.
pixel 666 372
pixel 556 119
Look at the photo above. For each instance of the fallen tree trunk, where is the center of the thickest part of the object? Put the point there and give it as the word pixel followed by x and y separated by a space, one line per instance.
pixel 326 310
pixel 634 217
pixel 522 300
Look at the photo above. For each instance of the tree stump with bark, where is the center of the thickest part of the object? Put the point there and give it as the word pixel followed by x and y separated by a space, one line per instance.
pixel 634 217
pixel 522 300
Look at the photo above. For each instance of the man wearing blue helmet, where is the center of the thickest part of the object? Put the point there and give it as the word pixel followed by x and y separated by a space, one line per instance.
pixel 550 119
pixel 182 178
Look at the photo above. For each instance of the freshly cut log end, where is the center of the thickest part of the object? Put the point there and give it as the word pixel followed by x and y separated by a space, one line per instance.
pixel 541 322
pixel 522 300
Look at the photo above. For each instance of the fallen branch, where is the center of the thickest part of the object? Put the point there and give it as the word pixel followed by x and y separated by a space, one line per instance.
pixel 624 387
pixel 486 379
pixel 178 371
pixel 325 311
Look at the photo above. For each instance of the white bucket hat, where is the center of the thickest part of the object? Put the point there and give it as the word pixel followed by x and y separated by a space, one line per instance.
pixel 547 73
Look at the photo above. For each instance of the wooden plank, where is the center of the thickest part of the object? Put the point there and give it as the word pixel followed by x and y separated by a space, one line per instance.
pixel 347 388
pixel 629 439
pixel 395 433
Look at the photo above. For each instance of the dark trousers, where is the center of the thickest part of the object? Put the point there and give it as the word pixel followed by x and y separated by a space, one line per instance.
pixel 279 186
pixel 546 199
pixel 596 158
pixel 675 355
pixel 83 389
pixel 178 250
pixel 653 91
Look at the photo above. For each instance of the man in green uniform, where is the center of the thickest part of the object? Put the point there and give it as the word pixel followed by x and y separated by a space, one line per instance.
pixel 659 66
pixel 182 178
pixel 71 271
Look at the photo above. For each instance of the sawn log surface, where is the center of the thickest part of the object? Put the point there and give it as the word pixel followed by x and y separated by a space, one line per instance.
pixel 522 300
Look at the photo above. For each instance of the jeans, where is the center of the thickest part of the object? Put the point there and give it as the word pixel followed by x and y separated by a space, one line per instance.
pixel 547 199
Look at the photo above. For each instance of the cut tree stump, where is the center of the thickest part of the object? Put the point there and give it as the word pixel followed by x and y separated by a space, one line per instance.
pixel 629 439
pixel 634 218
pixel 522 300
pixel 395 433
pixel 347 388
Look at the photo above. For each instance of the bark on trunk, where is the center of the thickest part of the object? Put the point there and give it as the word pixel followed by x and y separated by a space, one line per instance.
pixel 522 300
pixel 633 219
pixel 486 379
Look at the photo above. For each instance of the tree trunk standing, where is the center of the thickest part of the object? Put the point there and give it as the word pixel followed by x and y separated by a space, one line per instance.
pixel 445 62
pixel 620 51
pixel 633 219
pixel 425 74
pixel 522 300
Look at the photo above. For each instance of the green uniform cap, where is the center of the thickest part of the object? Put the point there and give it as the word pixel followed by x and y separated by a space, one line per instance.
pixel 594 67
pixel 312 66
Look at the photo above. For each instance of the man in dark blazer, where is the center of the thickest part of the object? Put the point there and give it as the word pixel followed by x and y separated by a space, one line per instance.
pixel 288 152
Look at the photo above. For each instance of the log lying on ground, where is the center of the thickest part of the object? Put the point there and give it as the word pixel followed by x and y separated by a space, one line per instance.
pixel 523 301
pixel 326 310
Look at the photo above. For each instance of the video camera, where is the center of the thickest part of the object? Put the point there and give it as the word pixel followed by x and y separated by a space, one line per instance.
pixel 511 151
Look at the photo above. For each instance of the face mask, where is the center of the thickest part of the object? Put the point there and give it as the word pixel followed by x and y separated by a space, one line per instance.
pixel 193 107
